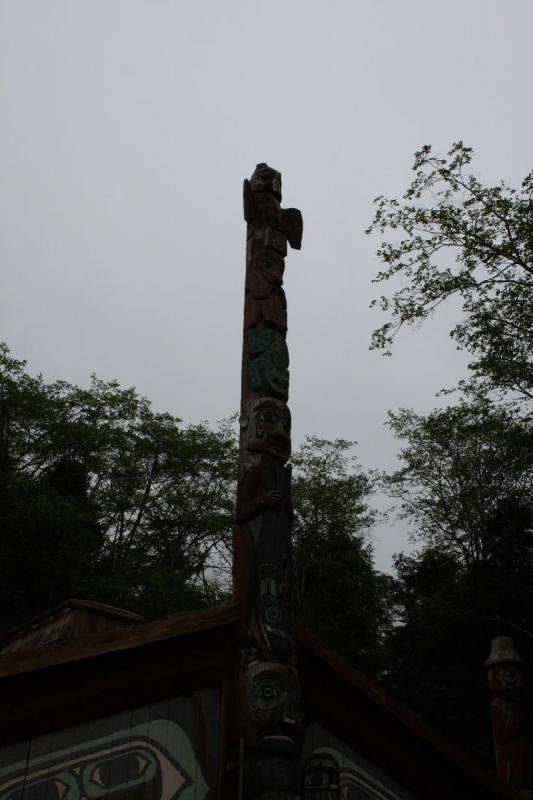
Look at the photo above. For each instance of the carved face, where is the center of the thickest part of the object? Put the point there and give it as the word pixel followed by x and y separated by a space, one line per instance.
pixel 268 428
pixel 506 680
pixel 321 778
pixel 270 266
pixel 272 706
pixel 266 179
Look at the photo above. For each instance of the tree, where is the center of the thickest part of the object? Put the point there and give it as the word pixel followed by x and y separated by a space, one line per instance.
pixel 341 596
pixel 463 239
pixel 464 467
pixel 466 485
pixel 100 497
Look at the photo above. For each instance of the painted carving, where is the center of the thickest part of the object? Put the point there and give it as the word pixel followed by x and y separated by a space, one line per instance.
pixel 321 778
pixel 265 273
pixel 264 487
pixel 269 362
pixel 109 759
pixel 264 497
pixel 511 722
pixel 270 238
pixel 264 298
pixel 274 608
pixel 270 716
pixel 266 428
pixel 274 567
pixel 266 179
pixel 272 704
pixel 331 770
pixel 271 726
pixel 271 309
pixel 261 206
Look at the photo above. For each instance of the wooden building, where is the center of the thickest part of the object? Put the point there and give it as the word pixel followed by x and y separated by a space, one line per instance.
pixel 115 708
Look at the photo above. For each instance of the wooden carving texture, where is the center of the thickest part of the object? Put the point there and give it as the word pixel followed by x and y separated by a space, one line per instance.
pixel 512 727
pixel 268 682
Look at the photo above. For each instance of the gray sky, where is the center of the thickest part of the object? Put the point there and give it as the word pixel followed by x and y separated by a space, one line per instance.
pixel 126 129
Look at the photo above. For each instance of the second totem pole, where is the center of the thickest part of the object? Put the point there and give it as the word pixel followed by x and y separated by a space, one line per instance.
pixel 269 697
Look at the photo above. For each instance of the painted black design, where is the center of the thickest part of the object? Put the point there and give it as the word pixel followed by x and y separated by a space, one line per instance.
pixel 152 759
pixel 331 770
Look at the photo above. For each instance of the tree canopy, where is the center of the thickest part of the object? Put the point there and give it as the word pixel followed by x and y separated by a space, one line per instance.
pixel 341 595
pixel 464 239
pixel 465 479
pixel 102 497
pixel 466 471
pixel 465 483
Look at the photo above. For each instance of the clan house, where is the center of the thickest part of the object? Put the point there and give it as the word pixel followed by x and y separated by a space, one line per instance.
pixel 236 702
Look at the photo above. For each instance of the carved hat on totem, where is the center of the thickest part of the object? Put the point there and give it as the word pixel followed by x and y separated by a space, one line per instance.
pixel 503 652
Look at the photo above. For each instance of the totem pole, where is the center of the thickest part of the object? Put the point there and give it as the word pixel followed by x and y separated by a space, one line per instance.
pixel 268 681
pixel 512 728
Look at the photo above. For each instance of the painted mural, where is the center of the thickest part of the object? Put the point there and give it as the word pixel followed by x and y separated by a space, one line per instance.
pixel 163 751
pixel 331 770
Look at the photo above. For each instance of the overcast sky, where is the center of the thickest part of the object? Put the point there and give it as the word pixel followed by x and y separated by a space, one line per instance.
pixel 126 129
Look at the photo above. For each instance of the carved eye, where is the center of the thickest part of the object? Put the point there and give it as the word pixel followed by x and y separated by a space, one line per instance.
pixel 113 773
pixel 269 417
pixel 267 692
pixel 316 780
pixel 273 614
pixel 265 695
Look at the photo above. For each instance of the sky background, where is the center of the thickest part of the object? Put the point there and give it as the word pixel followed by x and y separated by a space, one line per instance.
pixel 126 129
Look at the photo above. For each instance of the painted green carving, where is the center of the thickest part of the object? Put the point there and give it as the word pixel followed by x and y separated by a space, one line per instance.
pixel 269 361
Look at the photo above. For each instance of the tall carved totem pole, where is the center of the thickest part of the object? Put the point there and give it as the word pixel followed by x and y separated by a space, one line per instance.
pixel 268 681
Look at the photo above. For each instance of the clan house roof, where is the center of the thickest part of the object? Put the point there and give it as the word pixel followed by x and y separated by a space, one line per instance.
pixel 98 674
pixel 73 619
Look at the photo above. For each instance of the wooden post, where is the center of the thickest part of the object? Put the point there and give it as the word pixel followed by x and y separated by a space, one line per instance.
pixel 268 687
pixel 511 721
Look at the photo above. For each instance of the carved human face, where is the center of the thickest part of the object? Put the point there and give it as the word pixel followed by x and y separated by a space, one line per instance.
pixel 506 680
pixel 272 706
pixel 268 428
pixel 266 179
pixel 270 264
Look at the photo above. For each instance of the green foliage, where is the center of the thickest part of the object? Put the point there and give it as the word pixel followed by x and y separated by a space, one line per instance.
pixel 449 612
pixel 465 483
pixel 101 497
pixel 341 596
pixel 463 468
pixel 463 239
